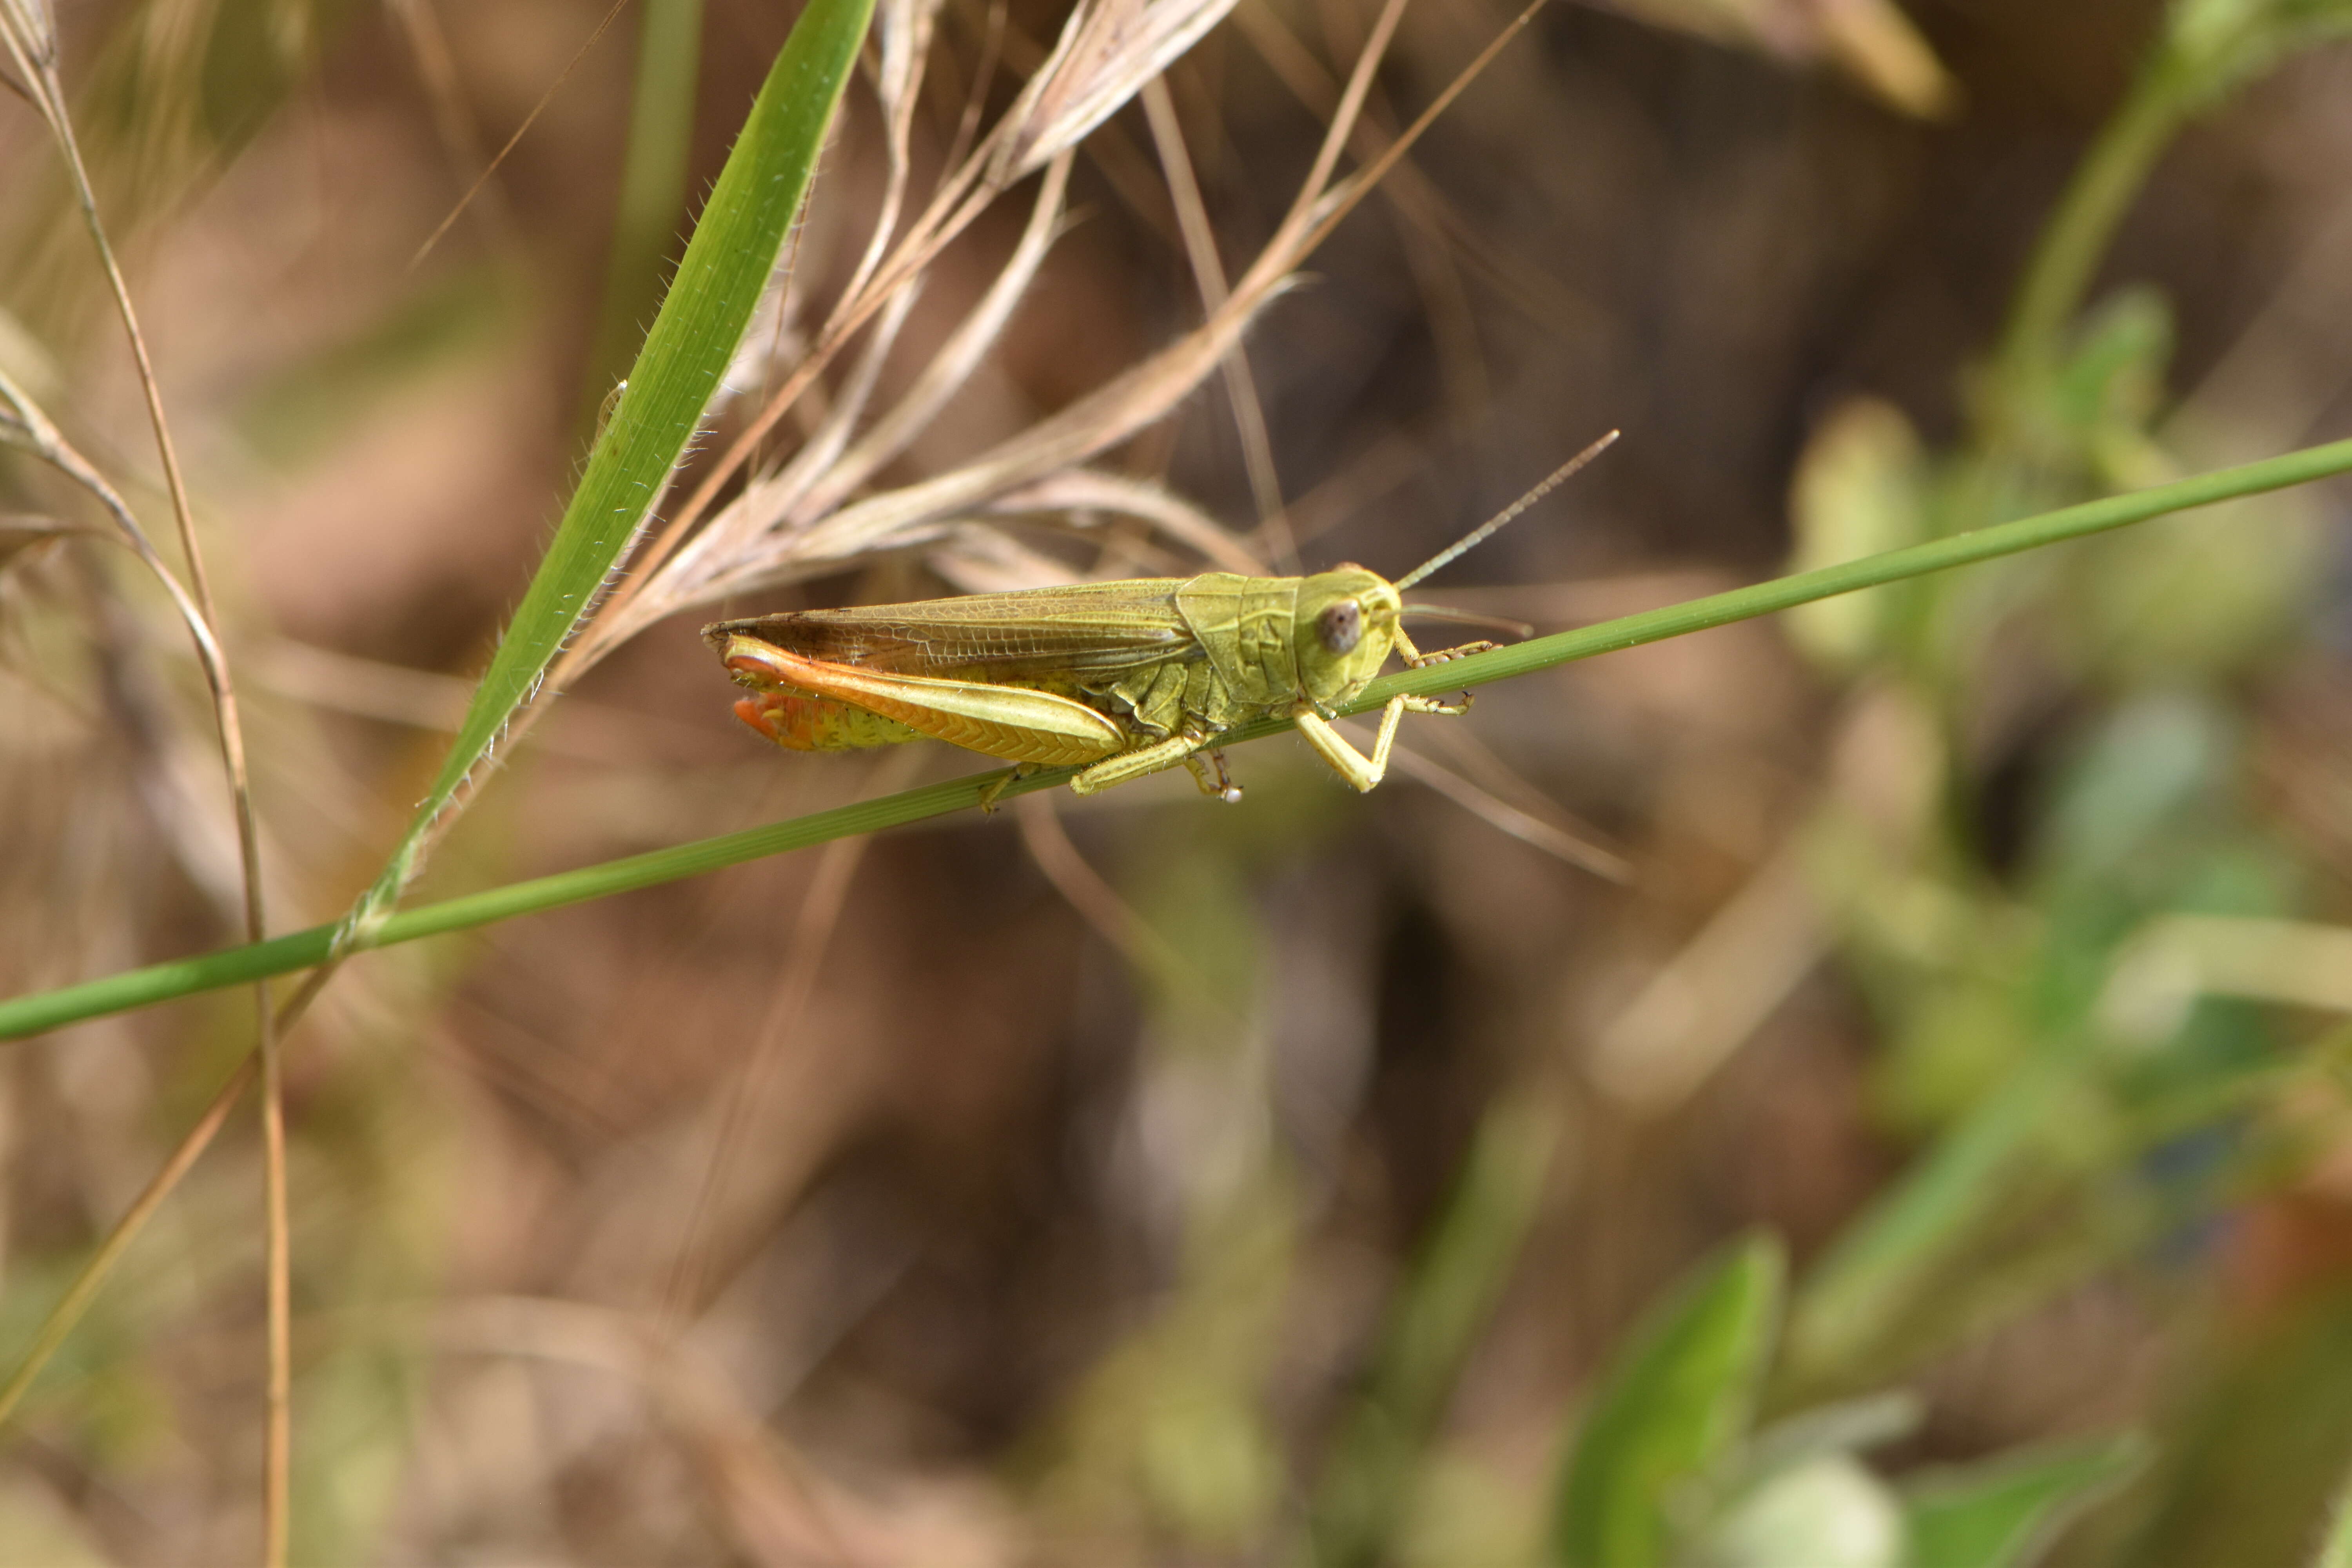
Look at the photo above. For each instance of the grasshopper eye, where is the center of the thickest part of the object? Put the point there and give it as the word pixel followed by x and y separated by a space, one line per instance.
pixel 1341 626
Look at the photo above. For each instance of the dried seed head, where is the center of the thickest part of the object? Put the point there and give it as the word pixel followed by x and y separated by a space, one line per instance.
pixel 1108 51
pixel 31 30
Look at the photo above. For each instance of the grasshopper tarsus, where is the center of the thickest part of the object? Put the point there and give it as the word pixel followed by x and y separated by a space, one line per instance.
pixel 1448 655
pixel 993 790
pixel 1220 787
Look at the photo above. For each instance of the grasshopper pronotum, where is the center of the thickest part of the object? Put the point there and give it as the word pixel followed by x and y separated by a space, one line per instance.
pixel 1117 678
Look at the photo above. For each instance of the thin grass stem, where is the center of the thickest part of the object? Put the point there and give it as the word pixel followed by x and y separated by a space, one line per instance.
pixel 69 1309
pixel 1208 276
pixel 302 950
pixel 611 15
pixel 2066 257
pixel 692 1270
pixel 278 1443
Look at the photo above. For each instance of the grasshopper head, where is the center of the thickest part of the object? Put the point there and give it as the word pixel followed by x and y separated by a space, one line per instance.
pixel 1347 624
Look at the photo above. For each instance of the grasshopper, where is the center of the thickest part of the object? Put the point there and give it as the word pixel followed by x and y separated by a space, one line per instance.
pixel 1117 678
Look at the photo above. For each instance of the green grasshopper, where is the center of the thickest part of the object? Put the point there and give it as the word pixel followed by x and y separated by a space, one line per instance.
pixel 1117 678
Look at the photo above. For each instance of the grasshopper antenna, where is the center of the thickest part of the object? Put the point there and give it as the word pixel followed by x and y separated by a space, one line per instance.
pixel 1486 529
pixel 1503 623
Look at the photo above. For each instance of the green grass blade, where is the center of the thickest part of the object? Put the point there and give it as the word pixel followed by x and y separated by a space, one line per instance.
pixel 1433 1324
pixel 2004 1513
pixel 725 266
pixel 1669 1410
pixel 137 988
pixel 1894 1259
pixel 2335 1548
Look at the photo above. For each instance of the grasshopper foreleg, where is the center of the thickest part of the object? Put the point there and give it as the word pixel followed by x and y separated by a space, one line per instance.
pixel 1360 771
pixel 1418 659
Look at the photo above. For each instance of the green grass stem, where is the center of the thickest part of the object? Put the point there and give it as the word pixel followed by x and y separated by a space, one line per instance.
pixel 181 977
pixel 719 279
pixel 2109 179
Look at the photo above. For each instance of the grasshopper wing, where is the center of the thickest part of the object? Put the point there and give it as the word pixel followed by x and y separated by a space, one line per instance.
pixel 849 705
pixel 1053 639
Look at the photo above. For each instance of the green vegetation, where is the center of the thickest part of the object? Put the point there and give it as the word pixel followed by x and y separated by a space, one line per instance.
pixel 2039 892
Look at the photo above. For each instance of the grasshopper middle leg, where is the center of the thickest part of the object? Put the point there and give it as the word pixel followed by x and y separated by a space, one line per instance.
pixel 1221 787
pixel 1168 753
pixel 995 787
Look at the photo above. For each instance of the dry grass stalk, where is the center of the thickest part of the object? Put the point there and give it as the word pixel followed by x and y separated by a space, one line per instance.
pixel 426 39
pixel 804 516
pixel 1108 54
pixel 798 517
pixel 702 1250
pixel 1209 273
pixel 1087 891
pixel 24 425
pixel 436 70
pixel 1081 491
pixel 776 1509
pixel 28 29
pixel 1870 40
pixel 1526 823
pixel 795 519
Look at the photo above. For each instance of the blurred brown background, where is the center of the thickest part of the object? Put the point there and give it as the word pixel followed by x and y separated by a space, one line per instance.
pixel 1089 1153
